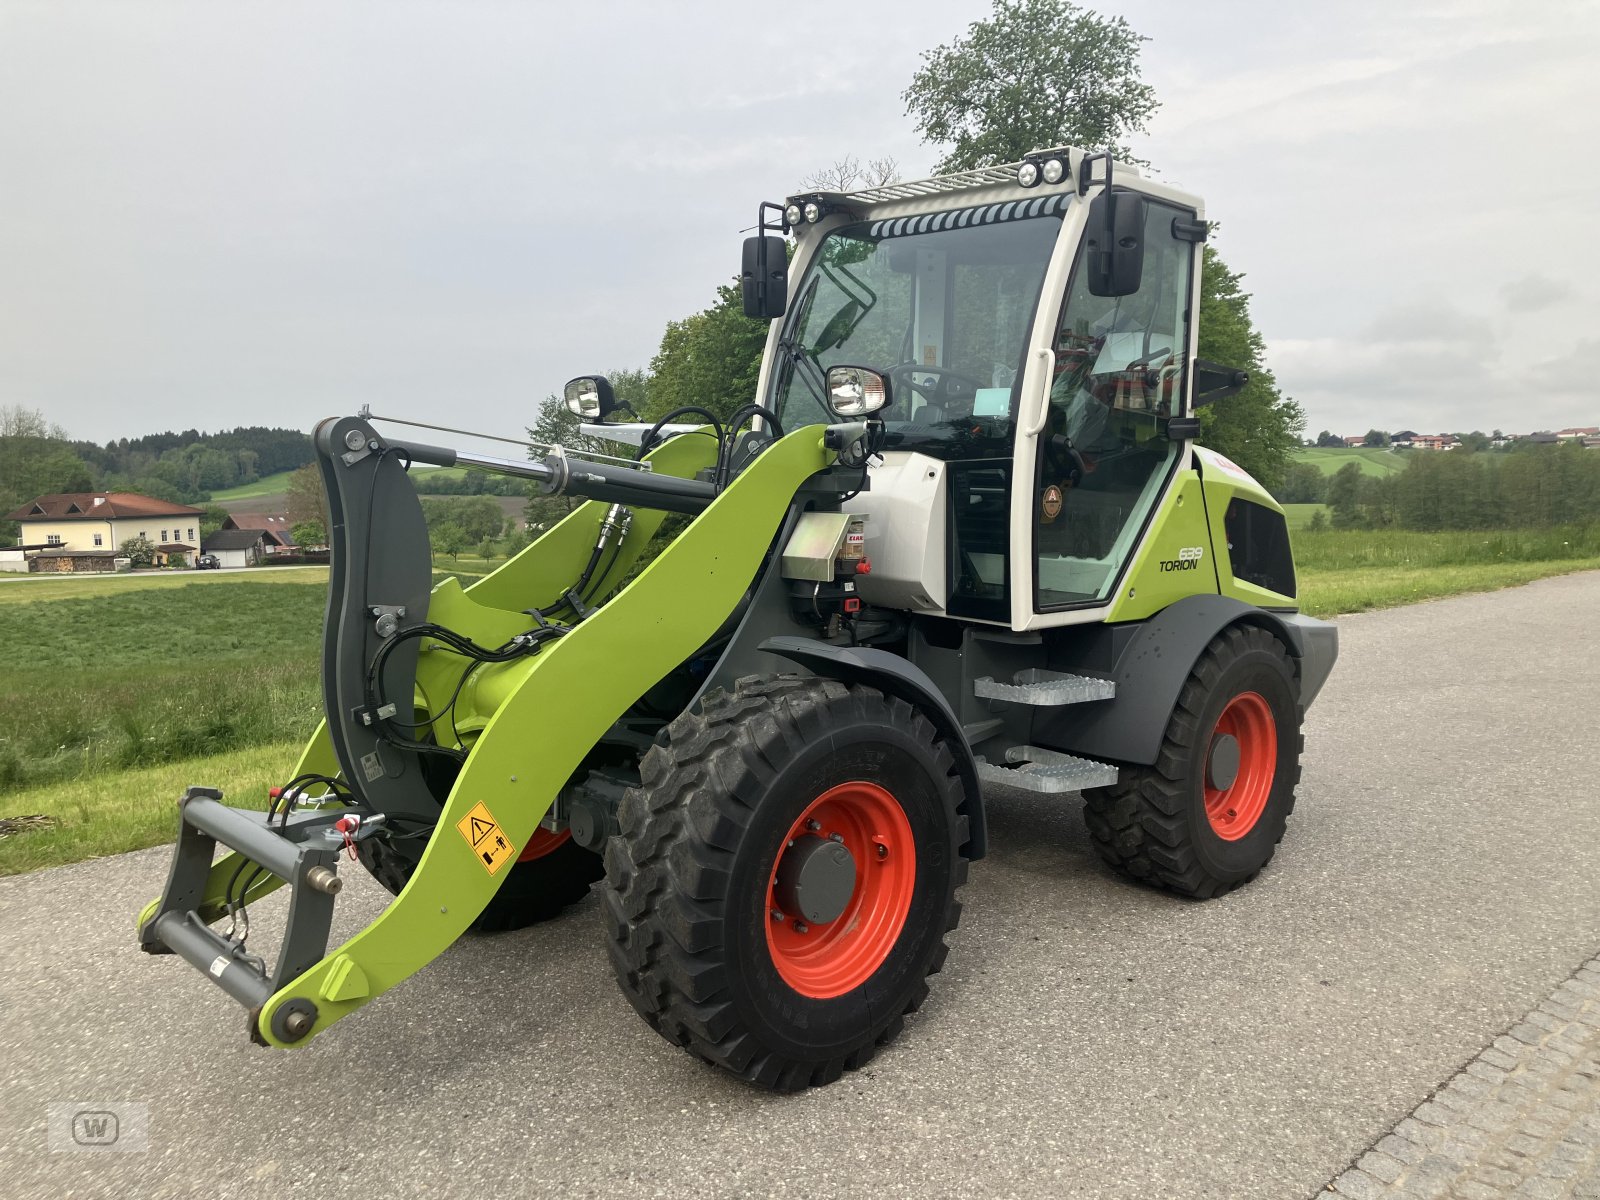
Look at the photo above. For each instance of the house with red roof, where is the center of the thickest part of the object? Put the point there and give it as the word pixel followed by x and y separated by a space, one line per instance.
pixel 80 531
pixel 275 525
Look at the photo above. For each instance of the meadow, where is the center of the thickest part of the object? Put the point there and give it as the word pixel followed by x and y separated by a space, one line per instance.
pixel 121 691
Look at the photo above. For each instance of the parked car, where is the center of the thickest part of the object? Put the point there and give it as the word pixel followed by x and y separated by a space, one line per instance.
pixel 207 562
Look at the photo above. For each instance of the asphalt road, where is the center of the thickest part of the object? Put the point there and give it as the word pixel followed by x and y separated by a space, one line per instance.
pixel 1440 876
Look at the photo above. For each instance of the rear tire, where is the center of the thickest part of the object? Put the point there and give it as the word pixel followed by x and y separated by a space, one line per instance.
pixel 1206 817
pixel 708 851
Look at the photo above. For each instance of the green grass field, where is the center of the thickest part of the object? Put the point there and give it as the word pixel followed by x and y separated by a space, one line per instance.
pixel 278 485
pixel 267 485
pixel 126 689
pixel 1299 515
pixel 1329 459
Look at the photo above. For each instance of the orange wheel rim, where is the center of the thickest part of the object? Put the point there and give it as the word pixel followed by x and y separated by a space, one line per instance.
pixel 1234 810
pixel 543 842
pixel 829 959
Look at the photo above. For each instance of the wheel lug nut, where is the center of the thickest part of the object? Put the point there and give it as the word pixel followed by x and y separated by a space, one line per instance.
pixel 836 837
pixel 813 825
pixel 883 851
pixel 801 927
pixel 776 915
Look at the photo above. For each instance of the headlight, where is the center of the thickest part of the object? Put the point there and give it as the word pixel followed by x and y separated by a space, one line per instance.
pixel 856 391
pixel 792 215
pixel 1054 170
pixel 1028 174
pixel 813 211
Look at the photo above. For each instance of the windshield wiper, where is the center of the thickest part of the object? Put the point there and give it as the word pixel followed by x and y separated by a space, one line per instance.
pixel 799 358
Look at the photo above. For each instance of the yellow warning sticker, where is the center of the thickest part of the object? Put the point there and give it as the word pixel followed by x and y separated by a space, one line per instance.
pixel 488 841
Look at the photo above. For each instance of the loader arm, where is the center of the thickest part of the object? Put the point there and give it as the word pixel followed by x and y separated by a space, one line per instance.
pixel 544 713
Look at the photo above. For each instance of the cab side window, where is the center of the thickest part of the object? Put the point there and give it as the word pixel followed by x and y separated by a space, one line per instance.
pixel 1105 456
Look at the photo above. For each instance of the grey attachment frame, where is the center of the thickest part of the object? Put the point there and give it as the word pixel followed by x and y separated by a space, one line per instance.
pixel 303 852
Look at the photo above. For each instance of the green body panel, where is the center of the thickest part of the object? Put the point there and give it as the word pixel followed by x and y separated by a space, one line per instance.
pixel 1153 581
pixel 536 577
pixel 1223 481
pixel 490 611
pixel 558 707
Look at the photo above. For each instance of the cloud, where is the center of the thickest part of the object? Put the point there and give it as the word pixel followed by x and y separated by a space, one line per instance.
pixel 1534 292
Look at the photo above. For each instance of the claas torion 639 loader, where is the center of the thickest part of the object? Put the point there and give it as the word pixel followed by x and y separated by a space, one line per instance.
pixel 961 539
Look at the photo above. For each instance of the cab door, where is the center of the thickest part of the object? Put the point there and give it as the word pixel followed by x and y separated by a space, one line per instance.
pixel 1104 459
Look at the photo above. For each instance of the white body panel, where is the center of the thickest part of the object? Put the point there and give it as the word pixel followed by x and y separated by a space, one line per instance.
pixel 905 510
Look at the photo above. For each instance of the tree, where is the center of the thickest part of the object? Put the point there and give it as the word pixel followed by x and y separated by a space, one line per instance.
pixel 1344 496
pixel 1303 483
pixel 1319 521
pixel 35 460
pixel 306 499
pixel 1375 437
pixel 309 533
pixel 1037 73
pixel 212 520
pixel 476 517
pixel 141 550
pixel 1329 439
pixel 711 359
pixel 1257 427
pixel 848 175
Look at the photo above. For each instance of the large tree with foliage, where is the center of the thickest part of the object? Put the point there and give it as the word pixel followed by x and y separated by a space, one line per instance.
pixel 1037 73
pixel 35 460
pixel 711 359
pixel 1258 427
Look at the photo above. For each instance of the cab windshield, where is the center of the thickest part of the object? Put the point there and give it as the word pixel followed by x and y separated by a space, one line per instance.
pixel 941 304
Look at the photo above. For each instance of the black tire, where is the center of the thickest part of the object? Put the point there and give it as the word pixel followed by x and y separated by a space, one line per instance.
pixel 535 890
pixel 1152 824
pixel 686 896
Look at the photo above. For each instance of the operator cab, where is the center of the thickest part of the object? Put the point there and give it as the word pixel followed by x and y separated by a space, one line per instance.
pixel 1026 440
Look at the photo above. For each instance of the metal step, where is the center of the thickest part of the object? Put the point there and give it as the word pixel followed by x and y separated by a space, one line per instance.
pixel 1040 687
pixel 1047 771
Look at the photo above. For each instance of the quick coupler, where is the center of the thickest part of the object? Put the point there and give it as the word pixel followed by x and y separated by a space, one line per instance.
pixel 300 848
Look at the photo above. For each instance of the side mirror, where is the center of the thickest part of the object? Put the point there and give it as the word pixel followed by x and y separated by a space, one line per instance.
pixel 765 278
pixel 856 391
pixel 1115 243
pixel 591 397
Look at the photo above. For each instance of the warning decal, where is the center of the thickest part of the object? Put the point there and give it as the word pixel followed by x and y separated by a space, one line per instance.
pixel 488 841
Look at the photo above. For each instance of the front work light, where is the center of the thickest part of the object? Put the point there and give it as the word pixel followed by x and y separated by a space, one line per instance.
pixel 1028 174
pixel 856 391
pixel 813 211
pixel 792 215
pixel 1055 170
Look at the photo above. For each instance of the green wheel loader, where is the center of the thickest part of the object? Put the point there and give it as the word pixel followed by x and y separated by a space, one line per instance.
pixel 961 539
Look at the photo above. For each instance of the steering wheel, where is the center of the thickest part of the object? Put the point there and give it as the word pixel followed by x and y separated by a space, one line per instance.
pixel 950 385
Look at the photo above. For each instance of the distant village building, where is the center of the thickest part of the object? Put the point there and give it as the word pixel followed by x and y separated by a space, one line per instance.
pixel 275 527
pixel 1434 441
pixel 80 531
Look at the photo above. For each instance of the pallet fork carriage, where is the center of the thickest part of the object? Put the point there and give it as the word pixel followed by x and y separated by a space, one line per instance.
pixel 962 539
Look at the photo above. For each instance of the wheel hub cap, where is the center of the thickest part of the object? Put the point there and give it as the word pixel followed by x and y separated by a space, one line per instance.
pixel 816 878
pixel 1222 764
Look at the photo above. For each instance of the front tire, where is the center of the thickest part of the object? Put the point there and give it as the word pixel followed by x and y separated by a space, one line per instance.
pixel 551 873
pixel 785 876
pixel 1209 814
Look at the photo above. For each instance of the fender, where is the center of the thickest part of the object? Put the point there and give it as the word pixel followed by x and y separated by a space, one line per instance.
pixel 1152 668
pixel 899 677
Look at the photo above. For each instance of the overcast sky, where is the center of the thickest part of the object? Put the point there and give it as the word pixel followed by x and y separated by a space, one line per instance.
pixel 250 213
